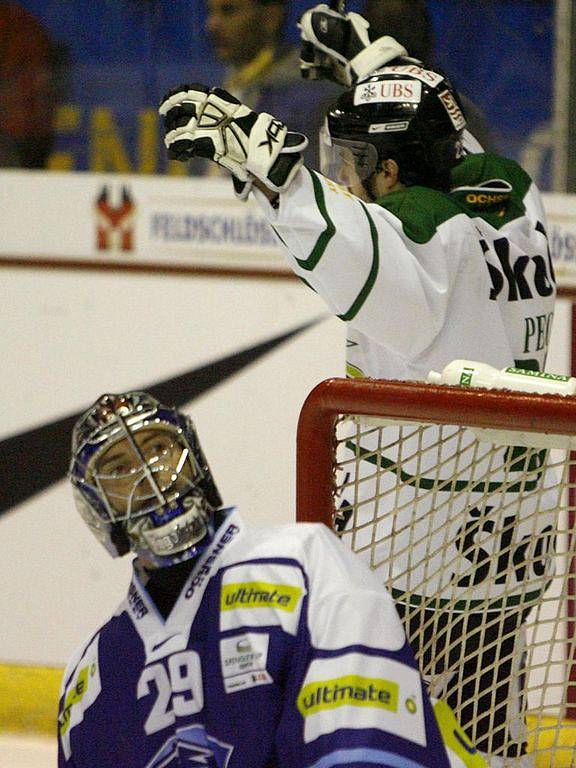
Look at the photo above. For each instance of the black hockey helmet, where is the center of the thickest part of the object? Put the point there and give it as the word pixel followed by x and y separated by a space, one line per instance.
pixel 403 112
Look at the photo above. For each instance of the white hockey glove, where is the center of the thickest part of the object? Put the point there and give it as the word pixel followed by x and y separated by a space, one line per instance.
pixel 211 123
pixel 337 46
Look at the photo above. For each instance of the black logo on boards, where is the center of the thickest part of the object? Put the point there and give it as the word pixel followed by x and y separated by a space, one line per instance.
pixel 36 474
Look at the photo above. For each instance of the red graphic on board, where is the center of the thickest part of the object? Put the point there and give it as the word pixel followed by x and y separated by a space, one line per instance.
pixel 115 222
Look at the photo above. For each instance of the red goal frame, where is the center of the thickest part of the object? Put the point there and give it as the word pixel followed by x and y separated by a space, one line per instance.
pixel 404 400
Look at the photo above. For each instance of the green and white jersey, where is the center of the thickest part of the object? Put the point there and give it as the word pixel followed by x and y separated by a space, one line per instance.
pixel 422 278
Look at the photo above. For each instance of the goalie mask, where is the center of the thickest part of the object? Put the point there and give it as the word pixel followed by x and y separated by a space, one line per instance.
pixel 402 112
pixel 141 481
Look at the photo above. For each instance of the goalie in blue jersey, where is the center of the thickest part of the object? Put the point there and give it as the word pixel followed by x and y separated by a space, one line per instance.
pixel 234 648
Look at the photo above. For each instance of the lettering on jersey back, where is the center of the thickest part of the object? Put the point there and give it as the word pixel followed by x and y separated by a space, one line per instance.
pixel 537 330
pixel 526 276
pixel 500 550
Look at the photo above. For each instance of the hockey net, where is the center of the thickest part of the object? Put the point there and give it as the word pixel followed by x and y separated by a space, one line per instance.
pixel 462 501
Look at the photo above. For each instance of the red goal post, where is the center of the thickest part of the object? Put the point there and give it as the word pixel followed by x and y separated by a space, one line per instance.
pixel 426 482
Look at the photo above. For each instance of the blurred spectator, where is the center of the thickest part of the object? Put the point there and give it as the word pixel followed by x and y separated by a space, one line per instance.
pixel 262 70
pixel 410 23
pixel 32 68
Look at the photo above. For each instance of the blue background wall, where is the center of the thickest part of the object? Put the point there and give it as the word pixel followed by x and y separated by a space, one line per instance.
pixel 126 53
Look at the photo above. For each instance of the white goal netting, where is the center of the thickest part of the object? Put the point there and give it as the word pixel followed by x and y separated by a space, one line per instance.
pixel 471 529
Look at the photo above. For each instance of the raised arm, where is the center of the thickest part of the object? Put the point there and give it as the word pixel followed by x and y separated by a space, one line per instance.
pixel 355 255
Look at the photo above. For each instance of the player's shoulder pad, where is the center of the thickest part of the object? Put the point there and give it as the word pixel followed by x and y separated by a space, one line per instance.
pixel 478 169
pixel 92 640
pixel 492 187
pixel 288 540
pixel 81 686
pixel 306 543
pixel 421 210
pixel 329 566
pixel 349 605
pixel 76 657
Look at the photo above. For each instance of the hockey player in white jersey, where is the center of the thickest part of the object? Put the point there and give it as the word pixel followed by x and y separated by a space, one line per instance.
pixel 428 253
pixel 234 648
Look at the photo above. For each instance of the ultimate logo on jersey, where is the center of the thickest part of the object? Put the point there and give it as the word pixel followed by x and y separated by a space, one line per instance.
pixel 80 693
pixel 352 690
pixel 76 694
pixel 256 594
pixel 363 698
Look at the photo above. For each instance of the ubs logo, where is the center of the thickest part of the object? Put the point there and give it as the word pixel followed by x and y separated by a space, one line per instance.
pixel 115 221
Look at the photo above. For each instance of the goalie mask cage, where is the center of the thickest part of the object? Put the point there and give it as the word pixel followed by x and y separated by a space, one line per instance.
pixel 462 501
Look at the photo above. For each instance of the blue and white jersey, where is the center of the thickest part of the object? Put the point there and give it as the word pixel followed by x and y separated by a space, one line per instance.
pixel 282 650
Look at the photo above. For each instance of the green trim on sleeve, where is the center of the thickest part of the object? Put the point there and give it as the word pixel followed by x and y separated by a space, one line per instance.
pixel 322 242
pixel 278 235
pixel 369 284
pixel 306 283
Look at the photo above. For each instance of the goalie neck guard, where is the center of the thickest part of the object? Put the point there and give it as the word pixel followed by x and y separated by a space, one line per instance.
pixel 403 112
pixel 141 481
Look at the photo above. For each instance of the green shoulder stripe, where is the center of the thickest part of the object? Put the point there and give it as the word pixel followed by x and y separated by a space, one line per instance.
pixel 373 274
pixel 421 211
pixel 322 242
